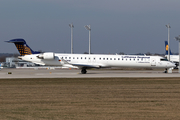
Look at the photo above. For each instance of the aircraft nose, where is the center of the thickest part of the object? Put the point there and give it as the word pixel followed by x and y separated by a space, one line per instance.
pixel 171 64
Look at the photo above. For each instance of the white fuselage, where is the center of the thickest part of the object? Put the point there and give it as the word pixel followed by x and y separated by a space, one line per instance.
pixel 101 61
pixel 173 58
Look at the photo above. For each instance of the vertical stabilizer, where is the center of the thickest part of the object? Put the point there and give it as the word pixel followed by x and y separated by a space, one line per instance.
pixel 166 48
pixel 22 47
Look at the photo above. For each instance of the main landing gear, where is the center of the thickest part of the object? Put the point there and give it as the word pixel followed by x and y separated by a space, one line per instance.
pixel 165 71
pixel 83 71
pixel 168 70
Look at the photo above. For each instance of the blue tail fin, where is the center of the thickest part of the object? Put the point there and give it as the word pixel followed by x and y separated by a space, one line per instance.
pixel 166 48
pixel 22 47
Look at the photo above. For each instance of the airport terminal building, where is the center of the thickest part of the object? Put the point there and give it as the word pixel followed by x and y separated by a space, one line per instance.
pixel 14 62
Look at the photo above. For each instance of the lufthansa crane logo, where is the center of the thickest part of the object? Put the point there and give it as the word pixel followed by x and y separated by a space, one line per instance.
pixel 167 47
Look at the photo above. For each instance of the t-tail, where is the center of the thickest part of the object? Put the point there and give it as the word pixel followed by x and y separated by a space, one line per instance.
pixel 166 48
pixel 22 47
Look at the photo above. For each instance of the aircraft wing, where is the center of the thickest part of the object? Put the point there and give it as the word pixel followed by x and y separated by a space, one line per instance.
pixel 82 65
pixel 79 65
pixel 39 63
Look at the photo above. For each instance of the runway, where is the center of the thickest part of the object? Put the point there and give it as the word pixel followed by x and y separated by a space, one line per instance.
pixel 74 73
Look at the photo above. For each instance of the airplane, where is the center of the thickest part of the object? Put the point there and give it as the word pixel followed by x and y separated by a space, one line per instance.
pixel 87 61
pixel 173 58
pixel 0 66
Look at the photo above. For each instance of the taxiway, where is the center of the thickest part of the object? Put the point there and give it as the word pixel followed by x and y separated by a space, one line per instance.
pixel 73 73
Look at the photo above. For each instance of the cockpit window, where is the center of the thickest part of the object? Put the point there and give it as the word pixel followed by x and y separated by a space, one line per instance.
pixel 164 59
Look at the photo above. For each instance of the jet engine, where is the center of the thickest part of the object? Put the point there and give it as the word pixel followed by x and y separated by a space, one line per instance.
pixel 47 56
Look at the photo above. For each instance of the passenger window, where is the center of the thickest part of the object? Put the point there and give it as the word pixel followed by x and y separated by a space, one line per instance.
pixel 69 57
pixel 103 58
pixel 118 58
pixel 114 58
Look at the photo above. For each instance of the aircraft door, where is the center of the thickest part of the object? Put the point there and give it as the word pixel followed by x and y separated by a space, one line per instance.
pixel 153 62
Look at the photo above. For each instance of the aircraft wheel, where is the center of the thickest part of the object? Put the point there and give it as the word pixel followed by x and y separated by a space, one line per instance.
pixel 165 70
pixel 83 71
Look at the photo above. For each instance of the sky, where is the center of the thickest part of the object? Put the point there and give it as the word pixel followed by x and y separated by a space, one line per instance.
pixel 129 26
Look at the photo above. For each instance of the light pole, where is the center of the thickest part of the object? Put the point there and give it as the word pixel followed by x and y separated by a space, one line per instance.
pixel 71 26
pixel 88 27
pixel 168 26
pixel 178 39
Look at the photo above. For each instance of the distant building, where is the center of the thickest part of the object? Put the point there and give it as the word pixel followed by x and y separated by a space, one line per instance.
pixel 13 62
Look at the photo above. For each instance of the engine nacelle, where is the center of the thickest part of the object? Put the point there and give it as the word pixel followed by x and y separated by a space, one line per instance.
pixel 47 56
